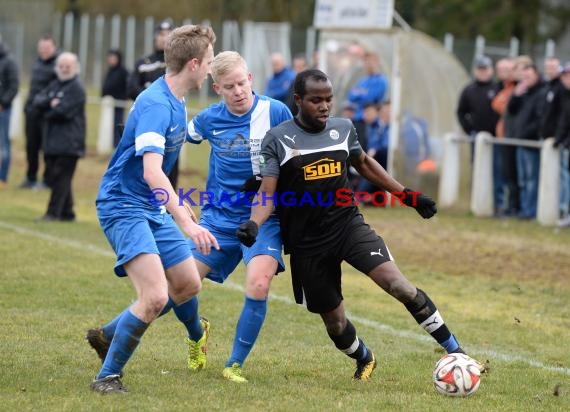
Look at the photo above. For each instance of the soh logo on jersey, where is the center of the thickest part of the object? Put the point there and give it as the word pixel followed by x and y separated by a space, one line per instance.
pixel 322 169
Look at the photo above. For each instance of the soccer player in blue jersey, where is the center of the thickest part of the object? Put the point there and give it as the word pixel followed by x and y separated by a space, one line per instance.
pixel 151 250
pixel 235 128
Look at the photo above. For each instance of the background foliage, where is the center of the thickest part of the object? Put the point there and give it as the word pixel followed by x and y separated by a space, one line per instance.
pixel 529 20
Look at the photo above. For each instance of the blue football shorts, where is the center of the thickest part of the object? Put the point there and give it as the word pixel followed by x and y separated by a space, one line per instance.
pixel 224 261
pixel 133 234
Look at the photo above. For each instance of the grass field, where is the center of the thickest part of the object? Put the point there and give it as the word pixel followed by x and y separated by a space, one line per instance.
pixel 502 286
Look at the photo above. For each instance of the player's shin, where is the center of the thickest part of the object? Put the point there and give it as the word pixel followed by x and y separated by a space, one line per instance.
pixel 426 314
pixel 247 329
pixel 187 313
pixel 125 340
pixel 350 344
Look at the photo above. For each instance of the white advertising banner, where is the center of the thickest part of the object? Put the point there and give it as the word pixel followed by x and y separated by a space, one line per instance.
pixel 356 14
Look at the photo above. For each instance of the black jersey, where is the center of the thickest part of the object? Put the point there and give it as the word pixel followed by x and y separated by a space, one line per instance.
pixel 312 168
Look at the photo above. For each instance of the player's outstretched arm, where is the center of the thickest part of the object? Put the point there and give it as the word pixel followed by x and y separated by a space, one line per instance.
pixel 263 205
pixel 156 179
pixel 375 173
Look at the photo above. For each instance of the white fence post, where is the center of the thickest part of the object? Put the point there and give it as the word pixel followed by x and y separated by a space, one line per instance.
pixel 549 184
pixel 450 172
pixel 106 122
pixel 482 202
pixel 15 130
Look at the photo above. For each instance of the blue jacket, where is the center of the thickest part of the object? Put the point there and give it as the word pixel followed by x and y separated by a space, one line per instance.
pixel 378 135
pixel 369 89
pixel 278 85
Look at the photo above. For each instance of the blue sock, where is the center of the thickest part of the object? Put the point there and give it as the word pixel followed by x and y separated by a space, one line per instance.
pixel 187 313
pixel 450 345
pixel 109 328
pixel 125 340
pixel 247 330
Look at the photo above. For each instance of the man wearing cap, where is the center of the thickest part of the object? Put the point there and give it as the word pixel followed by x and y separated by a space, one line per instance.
pixel 475 113
pixel 148 69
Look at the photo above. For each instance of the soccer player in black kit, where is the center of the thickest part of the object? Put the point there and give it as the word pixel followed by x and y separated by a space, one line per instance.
pixel 306 158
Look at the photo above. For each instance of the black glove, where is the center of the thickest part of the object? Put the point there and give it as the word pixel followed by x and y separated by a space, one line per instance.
pixel 247 232
pixel 423 204
pixel 251 185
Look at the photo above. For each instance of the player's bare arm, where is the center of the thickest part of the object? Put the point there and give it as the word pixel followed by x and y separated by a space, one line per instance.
pixel 155 177
pixel 264 207
pixel 375 173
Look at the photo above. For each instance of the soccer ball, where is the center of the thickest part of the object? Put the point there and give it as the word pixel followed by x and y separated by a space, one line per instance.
pixel 456 374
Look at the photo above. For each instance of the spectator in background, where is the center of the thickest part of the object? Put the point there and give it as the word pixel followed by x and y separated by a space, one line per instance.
pixel 551 112
pixel 416 146
pixel 42 74
pixel 61 106
pixel 562 141
pixel 299 65
pixel 377 120
pixel 147 70
pixel 509 153
pixel 474 111
pixel 371 88
pixel 505 185
pixel 526 108
pixel 279 83
pixel 9 83
pixel 115 85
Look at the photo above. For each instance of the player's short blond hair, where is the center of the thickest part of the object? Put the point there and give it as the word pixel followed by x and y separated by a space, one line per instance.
pixel 185 43
pixel 226 62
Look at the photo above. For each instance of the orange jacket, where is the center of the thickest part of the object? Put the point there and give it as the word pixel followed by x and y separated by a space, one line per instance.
pixel 499 104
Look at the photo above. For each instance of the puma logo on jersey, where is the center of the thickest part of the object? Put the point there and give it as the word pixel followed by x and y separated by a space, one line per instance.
pixel 379 253
pixel 290 138
pixel 323 168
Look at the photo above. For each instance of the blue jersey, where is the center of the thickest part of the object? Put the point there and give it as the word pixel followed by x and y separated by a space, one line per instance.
pixel 156 123
pixel 235 143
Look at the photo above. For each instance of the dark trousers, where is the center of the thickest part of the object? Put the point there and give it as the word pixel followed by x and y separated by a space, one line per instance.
pixel 118 125
pixel 59 173
pixel 510 178
pixel 33 145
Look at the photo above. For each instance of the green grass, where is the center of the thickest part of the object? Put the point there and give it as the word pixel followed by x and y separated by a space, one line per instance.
pixel 502 286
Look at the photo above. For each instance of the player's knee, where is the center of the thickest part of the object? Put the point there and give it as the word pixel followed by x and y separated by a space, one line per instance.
pixel 335 327
pixel 155 303
pixel 402 290
pixel 190 289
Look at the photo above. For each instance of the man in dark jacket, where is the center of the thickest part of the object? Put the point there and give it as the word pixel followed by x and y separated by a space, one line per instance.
pixel 474 111
pixel 42 74
pixel 8 89
pixel 148 69
pixel 115 85
pixel 62 108
pixel 526 108
pixel 551 112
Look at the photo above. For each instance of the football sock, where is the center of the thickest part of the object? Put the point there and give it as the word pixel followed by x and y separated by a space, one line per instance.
pixel 125 340
pixel 426 314
pixel 247 329
pixel 350 344
pixel 187 313
pixel 109 328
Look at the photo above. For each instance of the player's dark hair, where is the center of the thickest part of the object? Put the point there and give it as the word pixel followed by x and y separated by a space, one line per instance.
pixel 300 86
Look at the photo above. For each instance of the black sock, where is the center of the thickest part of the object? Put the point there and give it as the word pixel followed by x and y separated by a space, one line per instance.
pixel 426 314
pixel 350 344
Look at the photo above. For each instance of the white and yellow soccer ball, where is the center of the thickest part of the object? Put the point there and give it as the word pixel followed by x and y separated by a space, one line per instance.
pixel 456 374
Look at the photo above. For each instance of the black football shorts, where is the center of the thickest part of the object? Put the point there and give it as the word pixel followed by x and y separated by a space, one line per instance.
pixel 316 278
